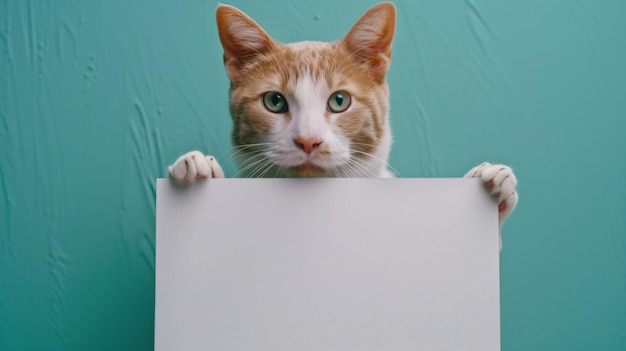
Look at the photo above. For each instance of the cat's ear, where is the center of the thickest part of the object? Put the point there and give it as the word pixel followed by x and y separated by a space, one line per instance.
pixel 370 38
pixel 242 38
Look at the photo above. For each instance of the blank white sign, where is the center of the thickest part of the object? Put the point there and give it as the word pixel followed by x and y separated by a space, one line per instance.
pixel 327 264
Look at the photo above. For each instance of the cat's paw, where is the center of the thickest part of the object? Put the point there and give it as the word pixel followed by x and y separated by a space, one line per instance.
pixel 194 165
pixel 501 182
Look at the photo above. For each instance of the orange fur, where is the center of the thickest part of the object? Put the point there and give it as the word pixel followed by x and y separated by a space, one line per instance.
pixel 357 64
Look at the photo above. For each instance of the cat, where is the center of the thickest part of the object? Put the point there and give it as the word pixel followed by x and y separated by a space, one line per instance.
pixel 314 109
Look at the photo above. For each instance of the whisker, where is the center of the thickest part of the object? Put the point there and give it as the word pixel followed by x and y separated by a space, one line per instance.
pixel 277 171
pixel 247 154
pixel 356 172
pixel 250 165
pixel 348 170
pixel 372 156
pixel 258 170
pixel 236 150
pixel 270 165
pixel 378 159
pixel 335 172
pixel 358 163
pixel 245 146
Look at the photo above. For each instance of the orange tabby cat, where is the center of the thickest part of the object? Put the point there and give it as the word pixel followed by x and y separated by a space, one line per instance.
pixel 313 109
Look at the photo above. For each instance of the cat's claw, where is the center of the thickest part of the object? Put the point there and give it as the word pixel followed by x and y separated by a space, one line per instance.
pixel 501 182
pixel 194 165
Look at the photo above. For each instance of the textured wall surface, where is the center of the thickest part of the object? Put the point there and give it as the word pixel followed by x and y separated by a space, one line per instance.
pixel 98 97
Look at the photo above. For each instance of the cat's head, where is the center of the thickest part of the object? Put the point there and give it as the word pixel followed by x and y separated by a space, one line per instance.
pixel 309 109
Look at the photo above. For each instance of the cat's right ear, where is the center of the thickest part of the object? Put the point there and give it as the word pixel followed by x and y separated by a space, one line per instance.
pixel 242 39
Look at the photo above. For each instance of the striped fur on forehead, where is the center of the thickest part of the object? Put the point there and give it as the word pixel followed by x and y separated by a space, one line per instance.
pixel 287 62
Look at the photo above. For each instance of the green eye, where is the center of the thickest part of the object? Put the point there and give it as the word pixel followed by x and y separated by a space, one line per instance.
pixel 339 101
pixel 275 102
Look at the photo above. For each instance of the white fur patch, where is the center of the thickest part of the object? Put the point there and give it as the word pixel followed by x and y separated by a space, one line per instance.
pixel 307 98
pixel 309 108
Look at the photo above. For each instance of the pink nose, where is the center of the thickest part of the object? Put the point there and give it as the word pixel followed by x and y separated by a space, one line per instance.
pixel 307 144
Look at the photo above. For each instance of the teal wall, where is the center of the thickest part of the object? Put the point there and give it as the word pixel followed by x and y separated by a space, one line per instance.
pixel 98 97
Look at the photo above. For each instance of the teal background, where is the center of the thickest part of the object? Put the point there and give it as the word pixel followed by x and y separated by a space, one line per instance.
pixel 98 97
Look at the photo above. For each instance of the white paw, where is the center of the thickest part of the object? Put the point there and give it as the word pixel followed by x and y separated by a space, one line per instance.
pixel 502 184
pixel 195 165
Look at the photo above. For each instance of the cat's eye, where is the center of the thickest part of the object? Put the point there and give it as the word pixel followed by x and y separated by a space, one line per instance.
pixel 339 101
pixel 275 102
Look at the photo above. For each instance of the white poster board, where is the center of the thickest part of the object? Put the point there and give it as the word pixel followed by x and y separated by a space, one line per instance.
pixel 327 264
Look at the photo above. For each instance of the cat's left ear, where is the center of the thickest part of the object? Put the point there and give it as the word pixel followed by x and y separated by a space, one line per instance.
pixel 242 39
pixel 370 38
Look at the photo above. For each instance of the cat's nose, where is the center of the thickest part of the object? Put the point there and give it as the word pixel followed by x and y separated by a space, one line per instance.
pixel 307 144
